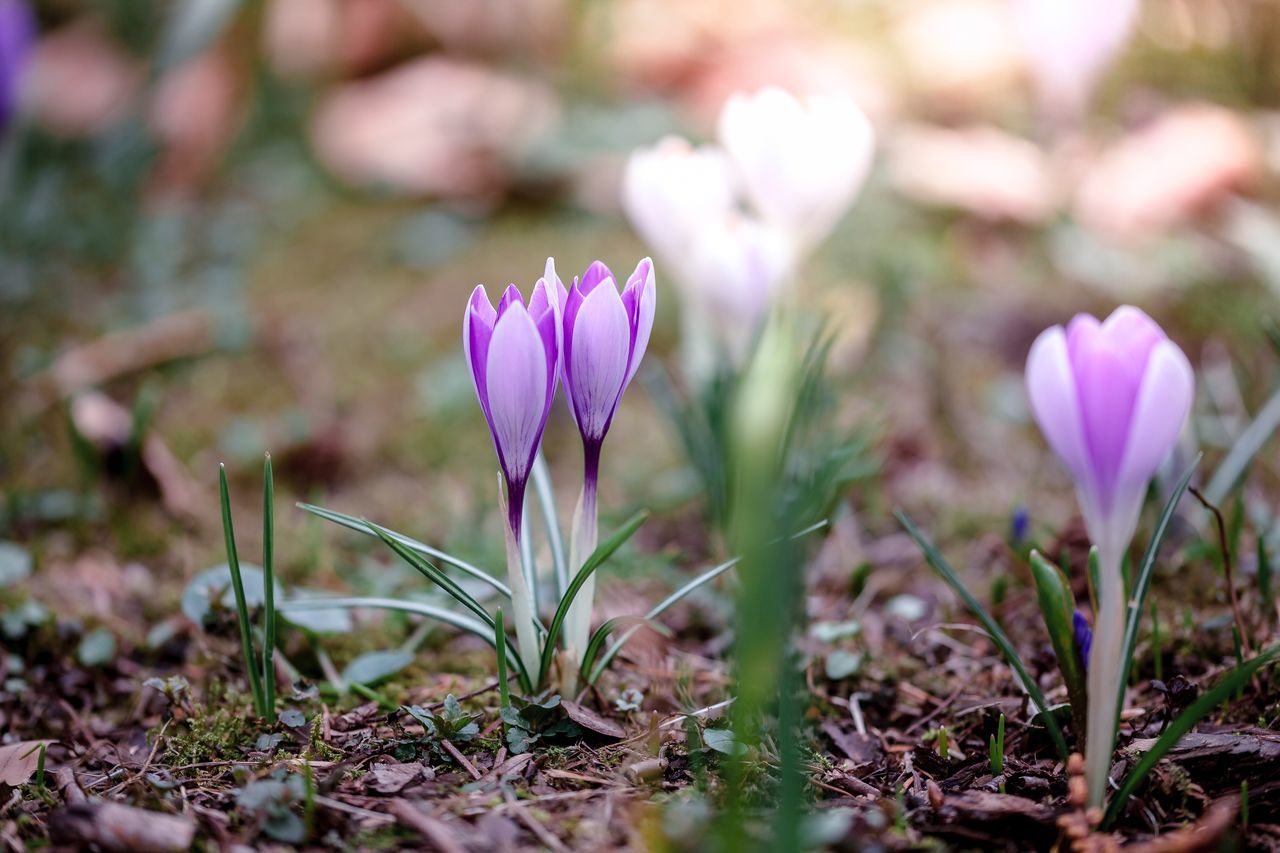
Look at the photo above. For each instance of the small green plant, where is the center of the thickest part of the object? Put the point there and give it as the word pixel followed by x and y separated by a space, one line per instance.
pixel 531 721
pixel 262 677
pixel 995 749
pixel 451 723
pixel 273 804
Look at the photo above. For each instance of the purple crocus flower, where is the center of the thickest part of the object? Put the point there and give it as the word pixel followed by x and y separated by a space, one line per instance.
pixel 605 336
pixel 17 37
pixel 513 353
pixel 1111 399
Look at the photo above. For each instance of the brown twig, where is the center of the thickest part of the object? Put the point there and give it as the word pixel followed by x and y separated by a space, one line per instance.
pixel 1226 568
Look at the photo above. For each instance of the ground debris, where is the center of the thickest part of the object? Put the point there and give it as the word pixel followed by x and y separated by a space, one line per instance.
pixel 112 826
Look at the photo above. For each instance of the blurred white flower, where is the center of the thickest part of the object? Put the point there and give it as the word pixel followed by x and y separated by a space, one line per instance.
pixel 1069 43
pixel 672 190
pixel 739 264
pixel 801 163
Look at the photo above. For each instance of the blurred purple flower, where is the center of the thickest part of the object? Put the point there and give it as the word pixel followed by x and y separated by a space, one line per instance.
pixel 1019 525
pixel 17 38
pixel 1083 637
pixel 513 353
pixel 605 337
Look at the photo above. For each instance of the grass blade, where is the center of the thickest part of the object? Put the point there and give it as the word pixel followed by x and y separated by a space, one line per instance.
pixel 997 634
pixel 500 646
pixel 1232 681
pixel 433 574
pixel 237 584
pixel 1142 583
pixel 631 623
pixel 597 558
pixel 361 526
pixel 551 518
pixel 269 590
pixel 448 617
pixel 1237 460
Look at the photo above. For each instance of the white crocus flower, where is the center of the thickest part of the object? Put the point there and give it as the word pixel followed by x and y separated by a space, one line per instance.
pixel 801 162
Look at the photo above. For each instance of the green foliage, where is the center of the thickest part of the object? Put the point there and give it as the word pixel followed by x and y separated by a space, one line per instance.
pixel 1057 606
pixel 274 804
pixel 995 749
pixel 451 723
pixel 997 634
pixel 531 721
pixel 1230 683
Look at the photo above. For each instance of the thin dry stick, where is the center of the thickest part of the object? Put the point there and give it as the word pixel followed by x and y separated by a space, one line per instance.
pixel 541 832
pixel 1226 567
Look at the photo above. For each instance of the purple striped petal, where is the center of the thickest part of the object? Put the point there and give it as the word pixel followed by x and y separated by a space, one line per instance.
pixel 477 330
pixel 596 360
pixel 640 300
pixel 518 383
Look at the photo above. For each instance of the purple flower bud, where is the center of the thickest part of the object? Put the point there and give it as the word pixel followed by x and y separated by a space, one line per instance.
pixel 1110 399
pixel 605 336
pixel 1083 638
pixel 17 37
pixel 1019 525
pixel 513 353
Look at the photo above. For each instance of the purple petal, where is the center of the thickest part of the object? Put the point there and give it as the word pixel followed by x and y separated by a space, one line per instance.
pixel 477 329
pixel 17 38
pixel 517 378
pixel 1158 415
pixel 1132 332
pixel 1051 388
pixel 640 300
pixel 1107 385
pixel 1083 636
pixel 595 275
pixel 510 296
pixel 595 365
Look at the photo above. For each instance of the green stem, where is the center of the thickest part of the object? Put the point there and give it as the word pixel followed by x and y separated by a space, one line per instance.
pixel 269 591
pixel 237 585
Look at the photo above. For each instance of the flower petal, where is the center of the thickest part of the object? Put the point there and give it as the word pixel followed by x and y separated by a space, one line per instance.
pixel 1051 387
pixel 640 300
pixel 517 378
pixel 1163 404
pixel 596 360
pixel 477 329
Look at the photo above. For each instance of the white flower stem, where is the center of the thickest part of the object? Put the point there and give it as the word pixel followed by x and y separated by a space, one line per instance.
pixel 522 606
pixel 582 543
pixel 1105 671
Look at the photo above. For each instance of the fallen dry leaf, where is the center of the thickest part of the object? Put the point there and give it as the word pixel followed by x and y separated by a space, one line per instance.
pixel 18 761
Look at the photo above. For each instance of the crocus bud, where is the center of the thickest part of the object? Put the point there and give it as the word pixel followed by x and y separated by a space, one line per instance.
pixel 1069 43
pixel 17 37
pixel 1111 399
pixel 513 353
pixel 671 191
pixel 740 264
pixel 605 337
pixel 801 163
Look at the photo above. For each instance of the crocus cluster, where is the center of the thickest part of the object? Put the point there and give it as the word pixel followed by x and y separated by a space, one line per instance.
pixel 17 37
pixel 1111 398
pixel 590 336
pixel 734 221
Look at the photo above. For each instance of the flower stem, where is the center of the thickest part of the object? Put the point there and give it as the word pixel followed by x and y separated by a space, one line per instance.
pixel 1105 671
pixel 582 544
pixel 521 596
